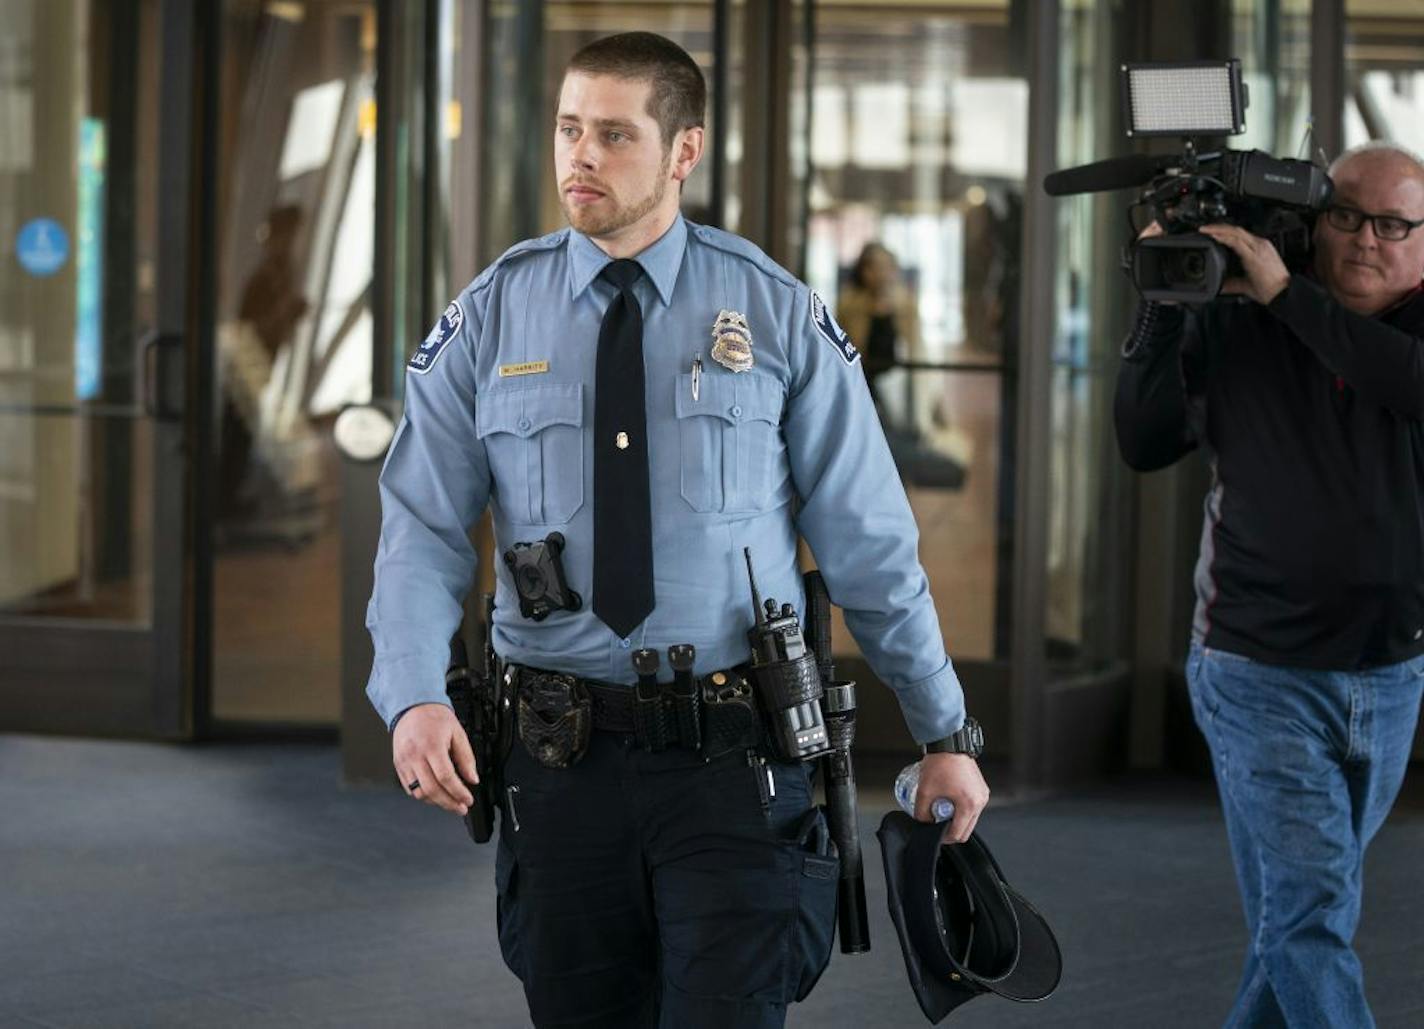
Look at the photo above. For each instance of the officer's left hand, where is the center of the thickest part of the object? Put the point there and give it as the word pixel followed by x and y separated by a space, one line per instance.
pixel 1266 274
pixel 957 777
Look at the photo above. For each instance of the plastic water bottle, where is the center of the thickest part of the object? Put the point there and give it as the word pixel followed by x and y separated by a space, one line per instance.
pixel 907 783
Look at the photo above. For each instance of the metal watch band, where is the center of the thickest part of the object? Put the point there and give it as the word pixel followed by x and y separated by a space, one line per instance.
pixel 967 739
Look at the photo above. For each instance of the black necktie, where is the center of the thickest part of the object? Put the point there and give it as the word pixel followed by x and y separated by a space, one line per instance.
pixel 622 509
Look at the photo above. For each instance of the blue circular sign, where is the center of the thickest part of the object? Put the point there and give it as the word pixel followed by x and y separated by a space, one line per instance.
pixel 42 247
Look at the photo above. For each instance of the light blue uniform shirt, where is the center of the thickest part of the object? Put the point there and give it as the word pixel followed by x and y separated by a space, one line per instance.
pixel 792 444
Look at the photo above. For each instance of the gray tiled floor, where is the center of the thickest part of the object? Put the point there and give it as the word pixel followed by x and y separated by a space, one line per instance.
pixel 149 885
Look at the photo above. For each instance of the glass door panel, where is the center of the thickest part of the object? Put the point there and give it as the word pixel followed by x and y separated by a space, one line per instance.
pixel 1384 72
pixel 917 156
pixel 294 340
pixel 74 484
pixel 91 364
pixel 1091 303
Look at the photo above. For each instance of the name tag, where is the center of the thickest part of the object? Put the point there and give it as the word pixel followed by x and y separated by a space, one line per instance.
pixel 527 368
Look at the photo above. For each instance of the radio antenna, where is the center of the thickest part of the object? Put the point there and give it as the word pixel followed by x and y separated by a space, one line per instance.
pixel 751 577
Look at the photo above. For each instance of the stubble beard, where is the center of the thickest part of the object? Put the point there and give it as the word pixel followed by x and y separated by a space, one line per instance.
pixel 619 217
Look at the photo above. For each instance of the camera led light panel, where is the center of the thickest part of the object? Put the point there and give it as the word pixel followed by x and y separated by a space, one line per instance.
pixel 1198 98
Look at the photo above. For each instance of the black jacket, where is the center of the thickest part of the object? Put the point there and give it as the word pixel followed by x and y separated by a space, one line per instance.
pixel 1312 418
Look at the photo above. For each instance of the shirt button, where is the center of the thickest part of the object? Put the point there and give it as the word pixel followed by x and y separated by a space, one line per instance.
pixel 524 424
pixel 736 411
pixel 625 644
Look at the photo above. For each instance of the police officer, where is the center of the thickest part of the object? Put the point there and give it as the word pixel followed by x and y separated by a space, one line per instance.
pixel 640 888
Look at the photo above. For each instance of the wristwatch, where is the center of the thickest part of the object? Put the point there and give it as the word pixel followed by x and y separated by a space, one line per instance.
pixel 967 739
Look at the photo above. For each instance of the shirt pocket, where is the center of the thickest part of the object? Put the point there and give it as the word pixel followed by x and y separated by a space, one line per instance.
pixel 533 436
pixel 731 442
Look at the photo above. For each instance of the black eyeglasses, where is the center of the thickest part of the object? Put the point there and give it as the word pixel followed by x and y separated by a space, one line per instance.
pixel 1386 226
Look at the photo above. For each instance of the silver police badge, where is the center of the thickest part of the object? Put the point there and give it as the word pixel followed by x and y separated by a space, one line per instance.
pixel 732 341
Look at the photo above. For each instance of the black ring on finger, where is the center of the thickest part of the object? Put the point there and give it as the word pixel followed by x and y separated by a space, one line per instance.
pixel 413 785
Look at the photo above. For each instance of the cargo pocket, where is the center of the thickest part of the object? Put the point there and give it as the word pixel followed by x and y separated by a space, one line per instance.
pixel 733 456
pixel 506 883
pixel 816 899
pixel 534 438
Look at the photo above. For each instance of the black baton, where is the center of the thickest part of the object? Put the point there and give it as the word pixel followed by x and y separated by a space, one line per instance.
pixel 842 817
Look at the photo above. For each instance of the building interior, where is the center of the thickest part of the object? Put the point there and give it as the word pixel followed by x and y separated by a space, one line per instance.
pixel 256 210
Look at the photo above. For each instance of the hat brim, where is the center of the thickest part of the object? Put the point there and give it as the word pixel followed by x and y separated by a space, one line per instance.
pixel 937 997
pixel 1018 959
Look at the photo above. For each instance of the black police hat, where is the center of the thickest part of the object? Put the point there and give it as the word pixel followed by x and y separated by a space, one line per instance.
pixel 964 931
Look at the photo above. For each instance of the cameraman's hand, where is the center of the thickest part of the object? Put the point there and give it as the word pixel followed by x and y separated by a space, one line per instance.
pixel 428 746
pixel 1266 274
pixel 957 777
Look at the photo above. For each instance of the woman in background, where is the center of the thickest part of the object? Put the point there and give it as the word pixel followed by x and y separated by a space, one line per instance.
pixel 877 310
pixel 881 315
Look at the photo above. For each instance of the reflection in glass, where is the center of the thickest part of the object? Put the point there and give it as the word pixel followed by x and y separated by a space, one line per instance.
pixel 1384 73
pixel 1091 305
pixel 75 468
pixel 1272 39
pixel 294 338
pixel 918 155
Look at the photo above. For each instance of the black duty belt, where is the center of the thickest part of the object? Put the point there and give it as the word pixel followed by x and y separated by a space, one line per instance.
pixel 717 712
pixel 612 703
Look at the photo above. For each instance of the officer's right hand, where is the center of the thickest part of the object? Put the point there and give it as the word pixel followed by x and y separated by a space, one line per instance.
pixel 428 745
pixel 957 777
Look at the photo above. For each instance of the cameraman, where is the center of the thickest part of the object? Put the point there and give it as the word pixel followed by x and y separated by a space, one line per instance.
pixel 1305 663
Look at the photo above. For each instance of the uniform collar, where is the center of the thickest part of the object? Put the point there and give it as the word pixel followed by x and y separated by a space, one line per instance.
pixel 661 262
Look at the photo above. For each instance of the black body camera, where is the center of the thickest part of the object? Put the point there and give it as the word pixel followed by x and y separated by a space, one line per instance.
pixel 1271 197
pixel 538 572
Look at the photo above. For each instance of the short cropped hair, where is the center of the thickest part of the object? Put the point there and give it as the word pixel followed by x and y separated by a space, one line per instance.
pixel 678 99
pixel 1382 146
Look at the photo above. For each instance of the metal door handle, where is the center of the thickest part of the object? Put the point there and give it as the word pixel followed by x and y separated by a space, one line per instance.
pixel 157 348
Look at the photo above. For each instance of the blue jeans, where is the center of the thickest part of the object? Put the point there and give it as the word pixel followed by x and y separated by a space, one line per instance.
pixel 1308 764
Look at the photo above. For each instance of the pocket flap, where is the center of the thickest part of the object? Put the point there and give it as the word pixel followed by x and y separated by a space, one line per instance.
pixel 526 410
pixel 733 398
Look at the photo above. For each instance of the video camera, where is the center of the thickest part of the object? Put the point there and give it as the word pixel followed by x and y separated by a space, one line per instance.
pixel 1271 197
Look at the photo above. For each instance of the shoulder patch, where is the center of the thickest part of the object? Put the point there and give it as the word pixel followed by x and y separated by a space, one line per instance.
pixel 429 352
pixel 826 325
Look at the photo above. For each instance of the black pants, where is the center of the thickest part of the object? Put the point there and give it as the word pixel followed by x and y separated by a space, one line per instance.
pixel 640 889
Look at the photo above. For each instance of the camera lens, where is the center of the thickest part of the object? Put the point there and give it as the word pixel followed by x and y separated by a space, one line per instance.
pixel 531 582
pixel 1185 267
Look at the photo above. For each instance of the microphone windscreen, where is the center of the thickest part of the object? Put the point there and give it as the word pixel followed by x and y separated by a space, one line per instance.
pixel 1114 173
